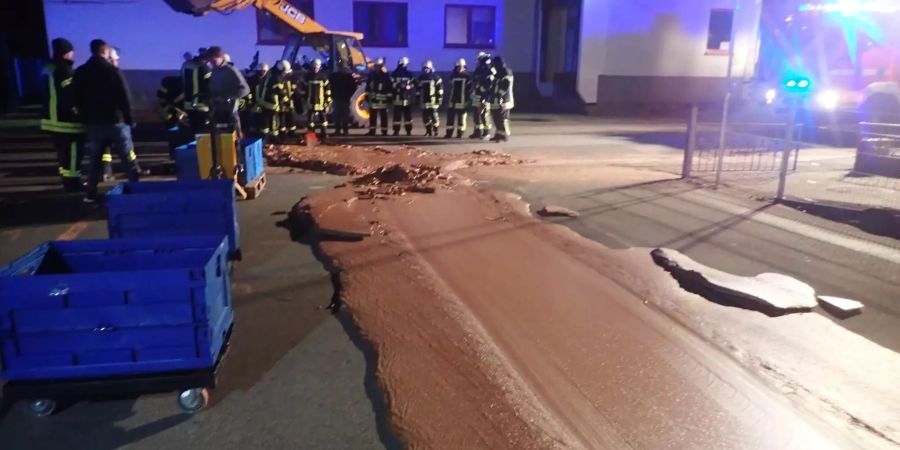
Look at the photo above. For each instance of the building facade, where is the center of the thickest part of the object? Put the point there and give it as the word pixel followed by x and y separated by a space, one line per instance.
pixel 593 53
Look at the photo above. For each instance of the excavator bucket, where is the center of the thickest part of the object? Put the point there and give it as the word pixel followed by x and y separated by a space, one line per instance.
pixel 195 7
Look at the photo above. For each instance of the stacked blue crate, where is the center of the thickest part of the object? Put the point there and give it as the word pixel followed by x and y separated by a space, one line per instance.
pixel 174 208
pixel 74 309
pixel 252 159
pixel 187 167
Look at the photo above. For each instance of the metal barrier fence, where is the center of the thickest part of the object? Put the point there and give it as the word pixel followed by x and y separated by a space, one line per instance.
pixel 768 162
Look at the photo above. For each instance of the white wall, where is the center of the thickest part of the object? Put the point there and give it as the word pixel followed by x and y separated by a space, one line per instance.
pixel 153 37
pixel 664 38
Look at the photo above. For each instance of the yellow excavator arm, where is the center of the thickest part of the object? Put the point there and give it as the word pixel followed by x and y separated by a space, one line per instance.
pixel 282 9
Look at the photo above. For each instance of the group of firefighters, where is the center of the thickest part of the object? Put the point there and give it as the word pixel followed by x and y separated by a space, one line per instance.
pixel 487 91
pixel 275 95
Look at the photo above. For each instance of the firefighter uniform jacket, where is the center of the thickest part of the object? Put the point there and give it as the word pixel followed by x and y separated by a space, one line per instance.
pixel 502 91
pixel 170 97
pixel 195 76
pixel 289 89
pixel 248 103
pixel 483 80
pixel 379 89
pixel 270 92
pixel 316 91
pixel 431 90
pixel 460 90
pixel 404 86
pixel 59 112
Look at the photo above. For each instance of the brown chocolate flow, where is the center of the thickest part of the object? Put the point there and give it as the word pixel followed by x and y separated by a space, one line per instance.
pixel 494 329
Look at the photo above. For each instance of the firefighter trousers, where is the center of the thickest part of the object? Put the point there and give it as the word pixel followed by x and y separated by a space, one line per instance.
pixel 500 117
pixel 431 118
pixel 316 121
pixel 403 115
pixel 456 120
pixel 482 126
pixel 269 123
pixel 376 115
pixel 69 150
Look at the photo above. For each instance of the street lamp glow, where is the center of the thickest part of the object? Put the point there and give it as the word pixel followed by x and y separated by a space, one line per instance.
pixel 829 100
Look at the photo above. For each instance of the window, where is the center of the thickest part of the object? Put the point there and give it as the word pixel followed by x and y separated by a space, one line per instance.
pixel 469 26
pixel 720 23
pixel 382 24
pixel 270 30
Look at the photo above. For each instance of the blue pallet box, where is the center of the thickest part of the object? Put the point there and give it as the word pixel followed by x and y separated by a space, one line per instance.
pixel 187 166
pixel 252 159
pixel 113 308
pixel 174 208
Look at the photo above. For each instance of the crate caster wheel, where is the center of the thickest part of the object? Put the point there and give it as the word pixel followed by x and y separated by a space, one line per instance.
pixel 42 407
pixel 193 400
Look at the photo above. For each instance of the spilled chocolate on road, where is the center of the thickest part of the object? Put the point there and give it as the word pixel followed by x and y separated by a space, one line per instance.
pixel 493 329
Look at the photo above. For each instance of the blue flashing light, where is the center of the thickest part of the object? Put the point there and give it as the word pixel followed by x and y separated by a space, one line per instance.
pixel 797 85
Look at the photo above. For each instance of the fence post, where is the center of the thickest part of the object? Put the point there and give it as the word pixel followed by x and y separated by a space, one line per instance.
pixel 688 162
pixel 720 154
pixel 786 151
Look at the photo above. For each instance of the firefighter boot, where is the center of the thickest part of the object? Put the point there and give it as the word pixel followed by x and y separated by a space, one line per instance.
pixel 449 133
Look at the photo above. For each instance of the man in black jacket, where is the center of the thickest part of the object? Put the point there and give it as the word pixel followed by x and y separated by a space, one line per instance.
pixel 102 98
pixel 60 117
pixel 343 86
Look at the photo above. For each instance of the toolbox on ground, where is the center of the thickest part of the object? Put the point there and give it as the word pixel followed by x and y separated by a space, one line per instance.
pixel 186 165
pixel 105 308
pixel 174 208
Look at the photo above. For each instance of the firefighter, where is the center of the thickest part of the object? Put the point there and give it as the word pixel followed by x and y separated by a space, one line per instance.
pixel 459 101
pixel 379 91
pixel 287 105
pixel 483 80
pixel 343 84
pixel 404 93
pixel 60 116
pixel 250 111
pixel 169 98
pixel 502 100
pixel 268 98
pixel 316 92
pixel 195 75
pixel 431 95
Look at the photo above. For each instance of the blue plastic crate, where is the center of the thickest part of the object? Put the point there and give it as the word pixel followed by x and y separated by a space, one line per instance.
pixel 252 159
pixel 186 165
pixel 109 308
pixel 174 208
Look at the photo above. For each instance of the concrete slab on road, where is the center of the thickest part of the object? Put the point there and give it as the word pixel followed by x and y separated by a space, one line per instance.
pixel 295 376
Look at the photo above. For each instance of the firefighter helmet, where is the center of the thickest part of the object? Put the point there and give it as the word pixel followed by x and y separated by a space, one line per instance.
pixel 283 66
pixel 461 62
pixel 404 61
pixel 428 65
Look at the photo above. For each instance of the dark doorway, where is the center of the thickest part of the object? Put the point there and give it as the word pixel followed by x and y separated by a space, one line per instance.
pixel 560 35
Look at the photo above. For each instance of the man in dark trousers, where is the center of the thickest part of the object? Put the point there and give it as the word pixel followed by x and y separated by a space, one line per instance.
pixel 102 97
pixel 316 93
pixel 459 101
pixel 404 93
pixel 431 95
pixel 502 100
pixel 379 91
pixel 343 86
pixel 483 80
pixel 60 116
pixel 226 87
pixel 268 97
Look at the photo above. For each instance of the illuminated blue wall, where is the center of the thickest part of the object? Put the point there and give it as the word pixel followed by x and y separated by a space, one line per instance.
pixel 153 37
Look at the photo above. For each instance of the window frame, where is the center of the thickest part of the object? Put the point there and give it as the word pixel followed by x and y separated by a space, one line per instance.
pixel 469 39
pixel 366 41
pixel 286 39
pixel 717 51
